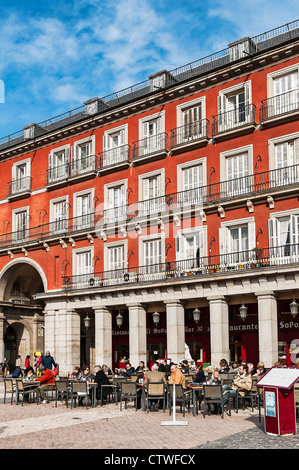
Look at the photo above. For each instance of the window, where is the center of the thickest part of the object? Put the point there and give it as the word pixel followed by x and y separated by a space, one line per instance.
pixel 236 241
pixel 115 202
pixel 115 146
pixel 151 257
pixel 190 119
pixel 234 107
pixel 190 249
pixel 59 215
pixel 236 169
pixel 283 236
pixel 283 91
pixel 82 159
pixel 286 93
pixel 58 164
pixel 21 176
pixel 20 224
pixel 191 182
pixel 284 160
pixel 151 193
pixel 83 205
pixel 151 131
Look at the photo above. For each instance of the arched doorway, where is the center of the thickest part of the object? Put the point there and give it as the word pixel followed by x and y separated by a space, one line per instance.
pixel 22 330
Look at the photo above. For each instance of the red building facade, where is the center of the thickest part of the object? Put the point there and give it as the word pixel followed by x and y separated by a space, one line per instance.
pixel 177 194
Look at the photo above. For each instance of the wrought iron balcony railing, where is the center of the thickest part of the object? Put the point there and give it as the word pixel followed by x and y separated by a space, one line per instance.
pixel 83 165
pixel 57 174
pixel 189 133
pixel 149 145
pixel 286 178
pixel 233 119
pixel 227 263
pixel 19 186
pixel 280 104
pixel 114 156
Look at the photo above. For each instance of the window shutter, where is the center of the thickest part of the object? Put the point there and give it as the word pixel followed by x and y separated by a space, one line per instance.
pixel 251 236
pixel 222 240
pixel 273 232
pixel 177 247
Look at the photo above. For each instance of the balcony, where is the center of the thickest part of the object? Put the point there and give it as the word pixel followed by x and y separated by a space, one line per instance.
pixel 83 168
pixel 233 123
pixel 225 264
pixel 190 136
pixel 280 108
pixel 114 159
pixel 19 188
pixel 150 149
pixel 57 175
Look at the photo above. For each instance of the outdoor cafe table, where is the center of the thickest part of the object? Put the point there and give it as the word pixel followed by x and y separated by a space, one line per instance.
pixel 196 390
pixel 27 384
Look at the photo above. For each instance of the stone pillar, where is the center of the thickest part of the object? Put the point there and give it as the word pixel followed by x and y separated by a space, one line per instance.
pixel 49 333
pixel 137 334
pixel 175 326
pixel 2 346
pixel 103 336
pixel 65 324
pixel 267 328
pixel 219 329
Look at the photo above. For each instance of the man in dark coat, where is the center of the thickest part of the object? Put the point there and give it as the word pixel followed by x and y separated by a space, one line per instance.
pixel 48 361
pixel 101 379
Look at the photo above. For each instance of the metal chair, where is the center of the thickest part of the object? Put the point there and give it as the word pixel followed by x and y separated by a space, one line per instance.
pixel 155 391
pixel 78 389
pixel 182 397
pixel 9 387
pixel 25 391
pixel 213 395
pixel 62 390
pixel 128 391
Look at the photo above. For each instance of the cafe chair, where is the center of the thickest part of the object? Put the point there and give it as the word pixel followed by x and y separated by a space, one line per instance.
pixel 212 395
pixel 9 387
pixel 79 389
pixel 182 397
pixel 128 391
pixel 116 382
pixel 23 390
pixel 155 391
pixel 62 391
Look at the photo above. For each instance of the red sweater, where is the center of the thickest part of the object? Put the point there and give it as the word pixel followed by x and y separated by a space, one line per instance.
pixel 46 378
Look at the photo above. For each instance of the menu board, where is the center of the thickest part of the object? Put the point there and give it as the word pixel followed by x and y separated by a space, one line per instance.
pixel 279 377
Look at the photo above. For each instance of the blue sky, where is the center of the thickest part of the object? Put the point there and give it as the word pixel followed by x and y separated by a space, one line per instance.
pixel 56 55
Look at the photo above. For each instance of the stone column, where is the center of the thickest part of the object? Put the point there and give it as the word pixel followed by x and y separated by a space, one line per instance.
pixel 103 336
pixel 175 326
pixel 219 329
pixel 267 328
pixel 65 324
pixel 137 334
pixel 49 333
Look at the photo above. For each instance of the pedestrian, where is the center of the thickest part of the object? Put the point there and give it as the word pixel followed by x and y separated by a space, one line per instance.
pixel 27 363
pixel 48 361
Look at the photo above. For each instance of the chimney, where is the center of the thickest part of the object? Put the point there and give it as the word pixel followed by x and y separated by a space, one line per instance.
pixel 94 106
pixel 241 48
pixel 32 130
pixel 161 80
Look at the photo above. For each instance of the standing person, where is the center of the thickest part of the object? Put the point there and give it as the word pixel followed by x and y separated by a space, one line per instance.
pixel 27 363
pixel 18 362
pixel 48 361
pixel 176 376
pixel 47 381
pixel 4 367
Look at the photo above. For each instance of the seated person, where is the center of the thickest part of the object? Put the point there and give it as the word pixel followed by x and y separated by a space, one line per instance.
pixel 164 367
pixel 184 366
pixel 77 373
pixel 30 374
pixel 241 384
pixel 200 375
pixel 107 369
pixel 101 379
pixel 128 371
pixel 223 366
pixel 154 376
pixel 141 366
pixel 176 376
pixel 47 382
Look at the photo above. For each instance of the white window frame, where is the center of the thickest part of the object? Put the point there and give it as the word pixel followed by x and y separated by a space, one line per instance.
pixel 21 184
pixel 109 215
pixel 151 117
pixel 119 153
pixel 75 253
pixel 274 252
pixel 56 173
pixel 147 205
pixel 279 73
pixel 109 246
pixel 15 213
pixel 222 100
pixel 190 104
pixel 52 220
pixel 147 238
pixel 201 231
pixel 76 196
pixel 281 140
pixel 224 240
pixel 234 153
